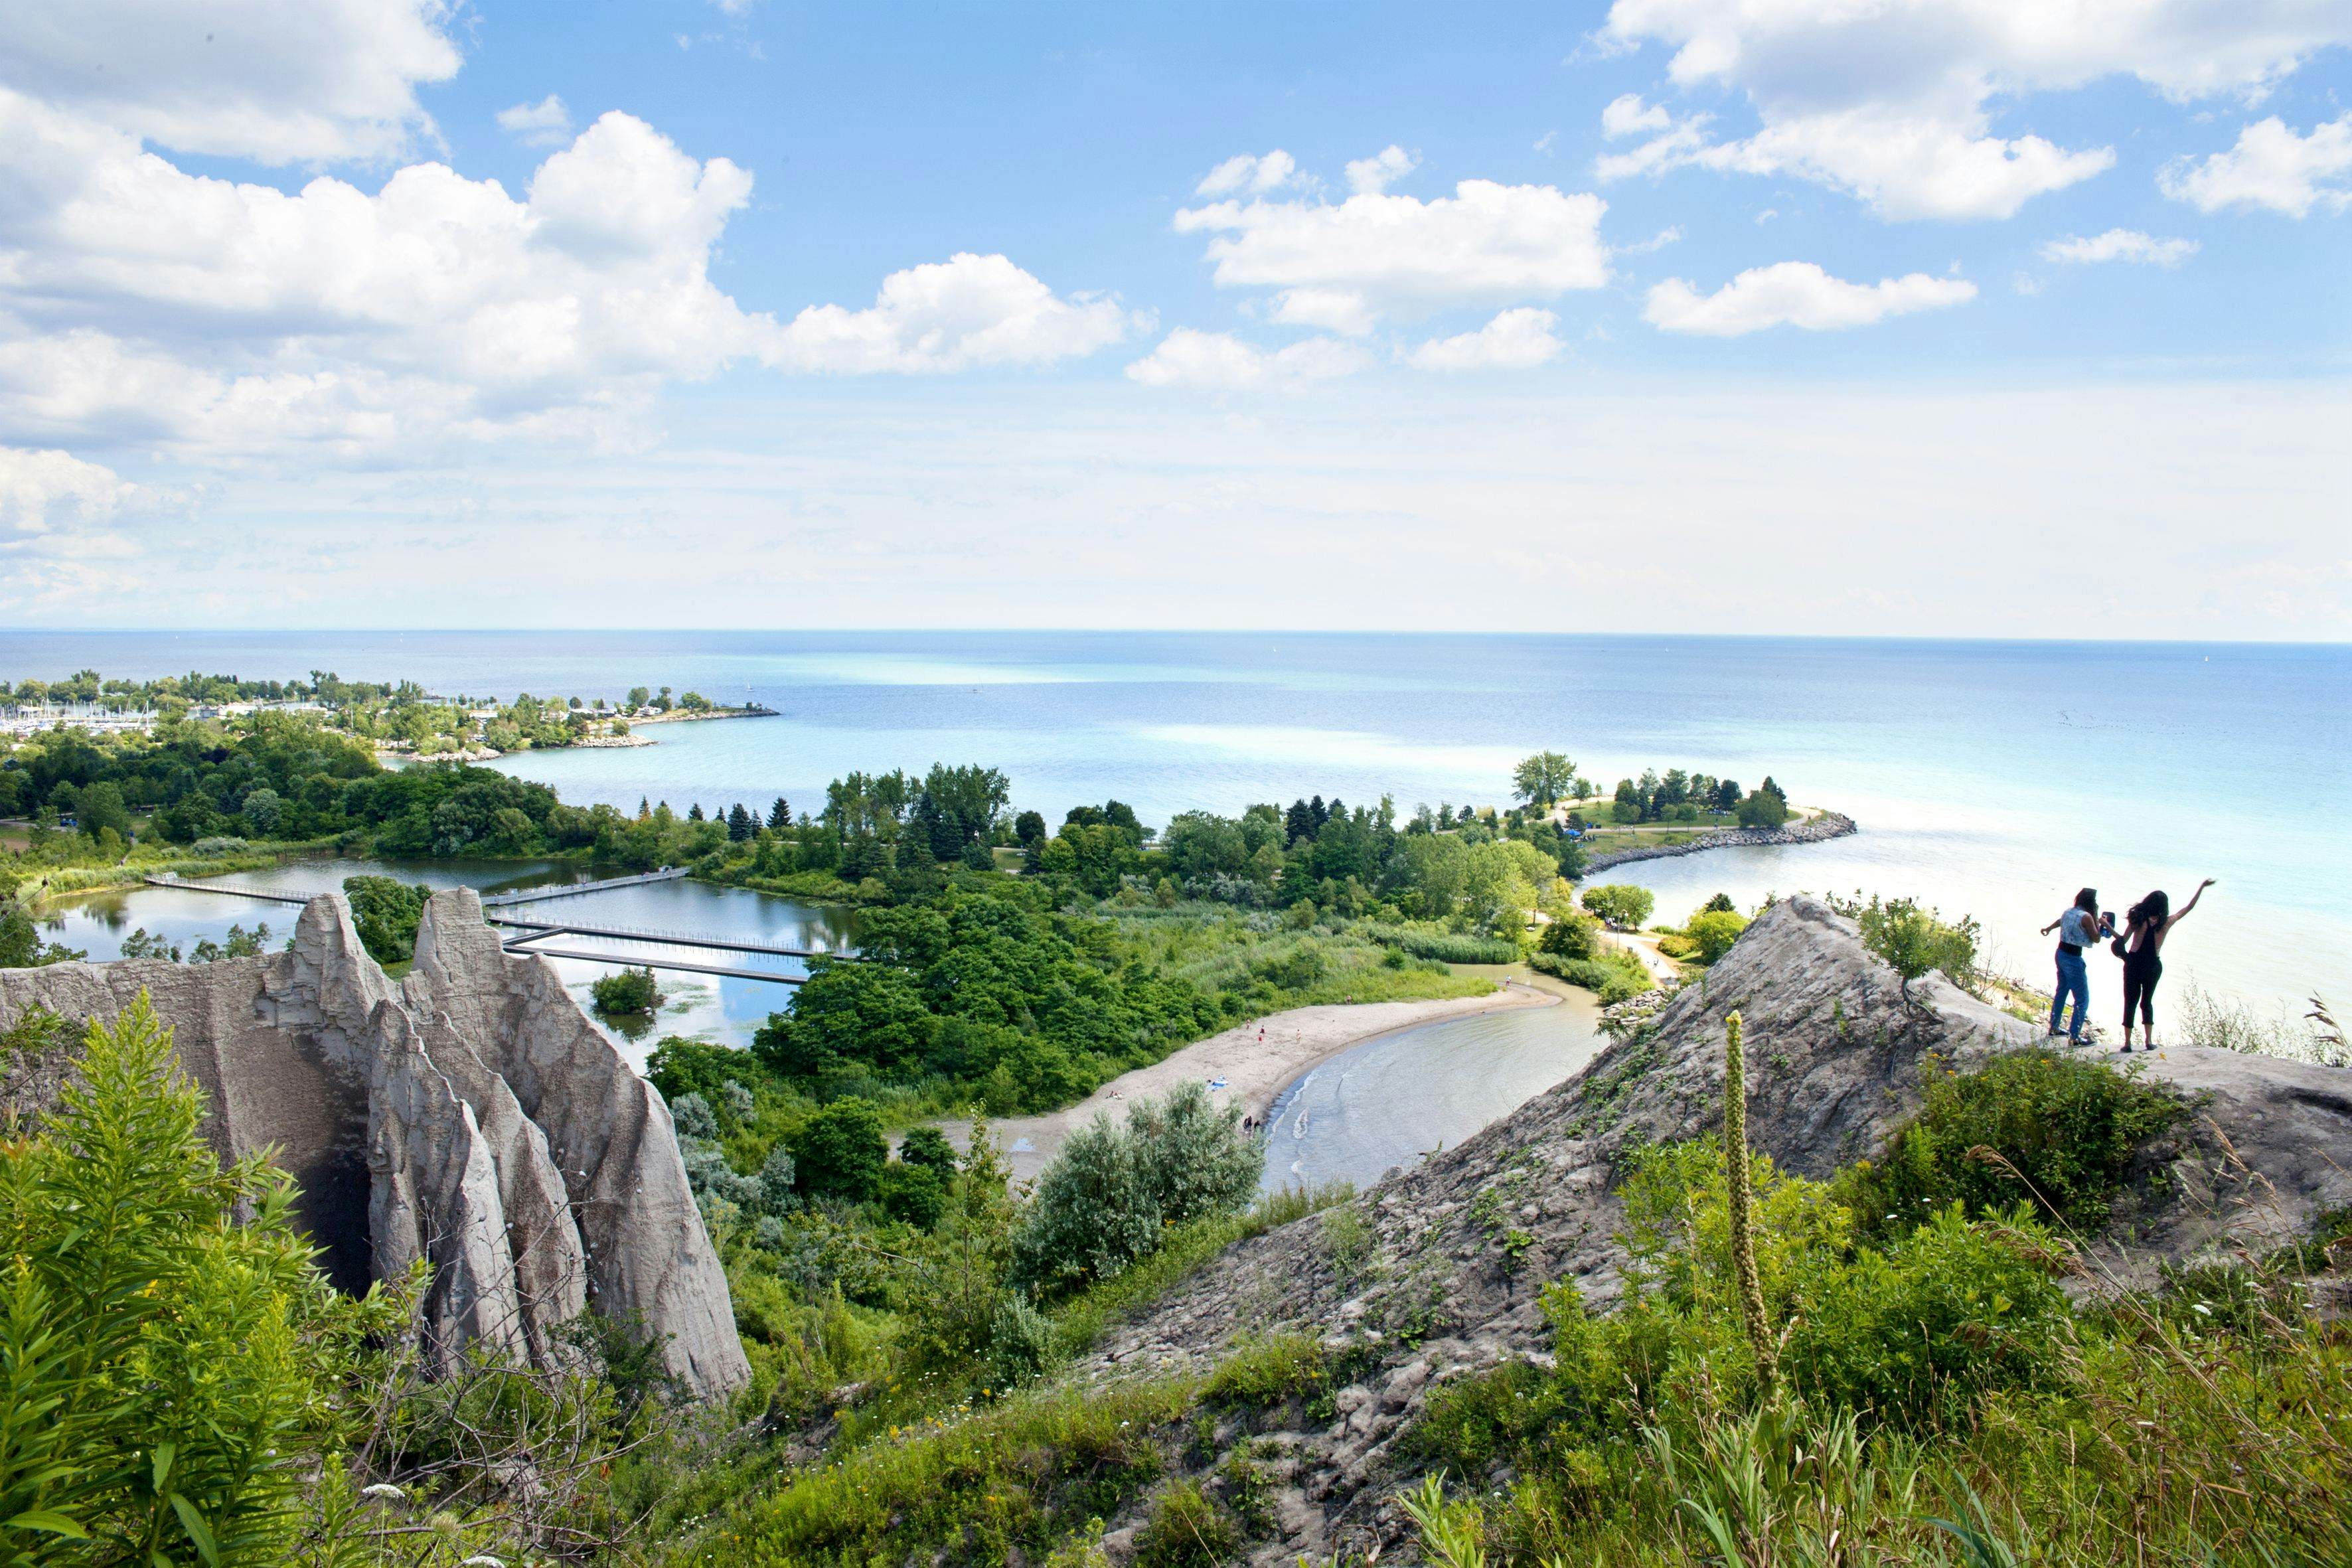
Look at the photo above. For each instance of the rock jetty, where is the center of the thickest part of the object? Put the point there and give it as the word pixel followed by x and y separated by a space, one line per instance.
pixel 1812 830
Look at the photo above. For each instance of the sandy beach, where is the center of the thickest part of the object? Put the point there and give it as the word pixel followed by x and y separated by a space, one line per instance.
pixel 1254 1069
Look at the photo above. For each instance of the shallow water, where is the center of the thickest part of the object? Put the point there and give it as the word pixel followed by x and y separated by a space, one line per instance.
pixel 1391 1101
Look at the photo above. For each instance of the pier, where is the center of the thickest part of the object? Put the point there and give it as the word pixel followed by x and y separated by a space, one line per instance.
pixel 539 931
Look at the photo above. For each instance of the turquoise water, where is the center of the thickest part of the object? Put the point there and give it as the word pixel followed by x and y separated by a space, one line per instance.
pixel 1989 778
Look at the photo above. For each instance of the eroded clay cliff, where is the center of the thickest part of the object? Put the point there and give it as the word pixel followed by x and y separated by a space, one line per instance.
pixel 469 1116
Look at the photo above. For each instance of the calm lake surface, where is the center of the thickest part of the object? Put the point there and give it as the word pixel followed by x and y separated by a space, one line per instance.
pixel 1989 778
pixel 1393 1099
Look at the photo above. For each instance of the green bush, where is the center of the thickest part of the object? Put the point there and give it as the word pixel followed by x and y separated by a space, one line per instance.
pixel 912 1194
pixel 2067 1128
pixel 929 1147
pixel 1621 904
pixel 630 993
pixel 1914 939
pixel 1714 931
pixel 1266 1371
pixel 839 1152
pixel 164 1363
pixel 1446 946
pixel 1570 935
pixel 1614 976
pixel 1104 1201
pixel 1186 1530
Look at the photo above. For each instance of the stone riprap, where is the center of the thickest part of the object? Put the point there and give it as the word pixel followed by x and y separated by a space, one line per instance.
pixel 1812 830
pixel 469 1116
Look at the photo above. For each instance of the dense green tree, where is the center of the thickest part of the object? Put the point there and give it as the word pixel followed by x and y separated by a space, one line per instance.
pixel 386 912
pixel 1543 778
pixel 839 1152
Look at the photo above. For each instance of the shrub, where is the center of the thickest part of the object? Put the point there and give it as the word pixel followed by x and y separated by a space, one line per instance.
pixel 1621 904
pixel 1186 1530
pixel 680 1067
pixel 1570 935
pixel 2068 1127
pixel 630 993
pixel 1104 1201
pixel 1267 1370
pixel 1714 931
pixel 1614 976
pixel 162 1359
pixel 1914 939
pixel 912 1194
pixel 928 1146
pixel 840 1152
pixel 1446 946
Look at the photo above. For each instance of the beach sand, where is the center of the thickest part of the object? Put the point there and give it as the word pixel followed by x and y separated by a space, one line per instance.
pixel 1255 1073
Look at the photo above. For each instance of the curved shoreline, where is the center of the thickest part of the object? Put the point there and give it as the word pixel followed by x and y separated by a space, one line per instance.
pixel 1820 829
pixel 1297 1042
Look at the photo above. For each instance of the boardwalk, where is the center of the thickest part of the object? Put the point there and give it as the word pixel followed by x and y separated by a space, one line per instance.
pixel 537 931
pixel 629 961
pixel 571 889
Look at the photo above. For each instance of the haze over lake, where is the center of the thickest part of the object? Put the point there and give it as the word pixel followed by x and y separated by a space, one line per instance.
pixel 1988 778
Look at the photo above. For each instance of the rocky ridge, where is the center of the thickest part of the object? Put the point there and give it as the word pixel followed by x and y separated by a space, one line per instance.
pixel 1447 1277
pixel 469 1116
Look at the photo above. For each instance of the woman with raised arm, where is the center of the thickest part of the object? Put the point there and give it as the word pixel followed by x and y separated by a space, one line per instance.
pixel 2079 930
pixel 2146 925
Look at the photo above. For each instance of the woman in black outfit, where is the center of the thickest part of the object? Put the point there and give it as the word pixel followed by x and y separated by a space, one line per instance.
pixel 2144 928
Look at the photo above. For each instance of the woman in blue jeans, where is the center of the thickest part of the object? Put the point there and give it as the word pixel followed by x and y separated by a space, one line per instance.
pixel 2078 929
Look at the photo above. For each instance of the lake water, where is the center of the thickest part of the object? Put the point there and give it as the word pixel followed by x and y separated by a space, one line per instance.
pixel 1989 778
pixel 1393 1099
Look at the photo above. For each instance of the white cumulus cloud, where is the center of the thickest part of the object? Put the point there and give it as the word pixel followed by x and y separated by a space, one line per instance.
pixel 1250 173
pixel 1627 116
pixel 1522 339
pixel 2121 245
pixel 1221 361
pixel 1344 264
pixel 281 82
pixel 966 311
pixel 2272 167
pixel 1382 170
pixel 1897 102
pixel 1795 294
pixel 547 123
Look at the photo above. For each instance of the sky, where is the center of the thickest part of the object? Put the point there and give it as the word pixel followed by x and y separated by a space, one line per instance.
pixel 1876 317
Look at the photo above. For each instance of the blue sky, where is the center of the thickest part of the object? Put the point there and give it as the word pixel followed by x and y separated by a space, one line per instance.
pixel 1947 316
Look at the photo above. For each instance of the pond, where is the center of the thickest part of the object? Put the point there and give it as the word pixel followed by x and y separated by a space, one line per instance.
pixel 1393 1099
pixel 724 1008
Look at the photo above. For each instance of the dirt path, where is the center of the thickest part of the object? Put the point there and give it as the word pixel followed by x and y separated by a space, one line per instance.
pixel 1256 1060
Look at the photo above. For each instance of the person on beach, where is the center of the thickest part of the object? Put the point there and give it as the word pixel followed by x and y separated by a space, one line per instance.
pixel 2078 931
pixel 2146 925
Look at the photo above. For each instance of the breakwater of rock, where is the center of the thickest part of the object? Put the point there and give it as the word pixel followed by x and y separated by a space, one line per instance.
pixel 1812 830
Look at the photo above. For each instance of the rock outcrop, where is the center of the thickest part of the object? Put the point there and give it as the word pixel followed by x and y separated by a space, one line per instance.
pixel 1835 1056
pixel 469 1116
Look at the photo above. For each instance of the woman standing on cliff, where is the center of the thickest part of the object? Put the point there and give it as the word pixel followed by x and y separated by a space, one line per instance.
pixel 2078 931
pixel 2146 925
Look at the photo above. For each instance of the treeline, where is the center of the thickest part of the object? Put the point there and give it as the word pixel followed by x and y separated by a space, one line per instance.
pixel 1678 796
